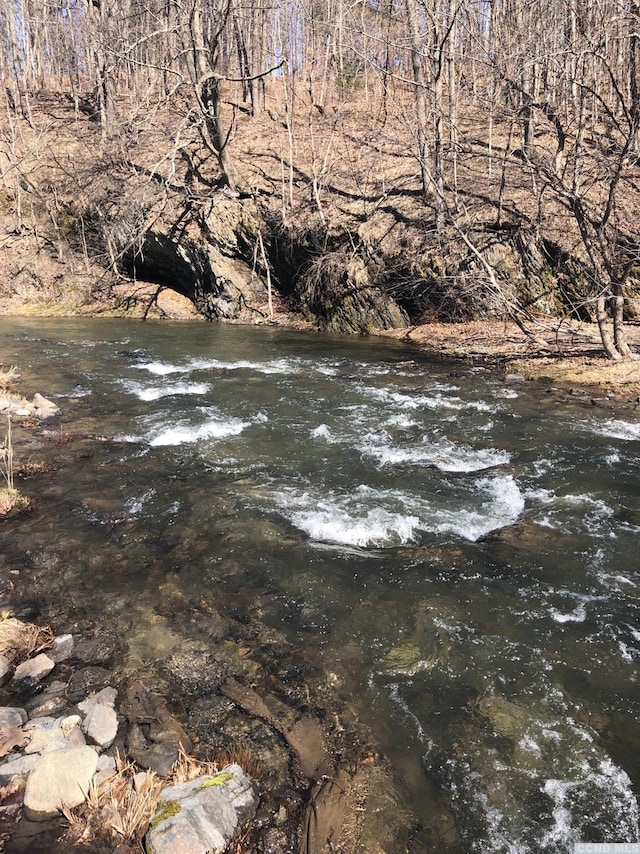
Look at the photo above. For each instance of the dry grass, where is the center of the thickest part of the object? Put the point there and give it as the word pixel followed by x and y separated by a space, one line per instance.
pixel 11 501
pixel 19 641
pixel 242 755
pixel 8 376
pixel 116 809
pixel 119 810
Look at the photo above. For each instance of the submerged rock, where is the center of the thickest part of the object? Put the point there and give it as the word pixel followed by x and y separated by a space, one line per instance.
pixel 202 816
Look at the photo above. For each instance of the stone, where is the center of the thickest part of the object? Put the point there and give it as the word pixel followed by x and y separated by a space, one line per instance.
pixel 86 680
pixel 106 768
pixel 42 739
pixel 61 648
pixel 34 668
pixel 12 737
pixel 54 734
pixel 11 716
pixel 60 778
pixel 5 669
pixel 42 722
pixel 202 816
pixel 96 650
pixel 69 722
pixel 51 701
pixel 23 765
pixel 106 697
pixel 101 725
pixel 44 407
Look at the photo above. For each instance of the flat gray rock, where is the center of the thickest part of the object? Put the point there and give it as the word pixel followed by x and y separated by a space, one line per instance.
pixel 106 697
pixel 60 778
pixel 101 725
pixel 12 716
pixel 19 767
pixel 61 648
pixel 203 815
pixel 34 668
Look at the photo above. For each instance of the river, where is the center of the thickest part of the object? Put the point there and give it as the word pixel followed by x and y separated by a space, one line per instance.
pixel 460 554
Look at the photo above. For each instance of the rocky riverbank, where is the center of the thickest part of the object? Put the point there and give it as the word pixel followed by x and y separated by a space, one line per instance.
pixel 66 781
pixel 260 728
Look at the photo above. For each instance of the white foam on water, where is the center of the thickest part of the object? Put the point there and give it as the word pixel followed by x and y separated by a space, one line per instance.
pixel 135 505
pixel 529 744
pixel 162 369
pixel 394 693
pixel 375 518
pixel 149 393
pixel 401 420
pixel 578 615
pixel 277 366
pixel 575 514
pixel 185 432
pixel 506 393
pixel 323 431
pixel 628 431
pixel 188 434
pixel 442 454
pixel 430 402
pixel 543 496
pixel 600 785
pixel 561 832
pixel 345 520
pixel 504 503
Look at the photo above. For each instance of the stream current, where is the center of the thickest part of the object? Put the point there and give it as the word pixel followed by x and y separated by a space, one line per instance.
pixel 461 553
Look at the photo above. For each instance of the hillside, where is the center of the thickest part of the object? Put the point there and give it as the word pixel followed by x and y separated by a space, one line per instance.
pixel 328 224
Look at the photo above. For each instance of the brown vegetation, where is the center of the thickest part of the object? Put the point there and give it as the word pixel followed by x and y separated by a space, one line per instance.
pixel 366 164
pixel 19 640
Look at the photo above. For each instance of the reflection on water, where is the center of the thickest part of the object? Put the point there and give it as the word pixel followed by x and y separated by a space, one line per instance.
pixel 460 555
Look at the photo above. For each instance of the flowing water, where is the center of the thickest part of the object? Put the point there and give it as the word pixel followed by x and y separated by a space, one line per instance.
pixel 462 554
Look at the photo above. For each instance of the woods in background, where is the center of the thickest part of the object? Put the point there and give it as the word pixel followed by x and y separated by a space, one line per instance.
pixel 552 88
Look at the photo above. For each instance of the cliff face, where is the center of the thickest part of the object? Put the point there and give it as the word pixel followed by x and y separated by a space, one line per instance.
pixel 94 227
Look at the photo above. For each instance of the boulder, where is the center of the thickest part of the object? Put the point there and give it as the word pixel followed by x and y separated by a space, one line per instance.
pixel 202 816
pixel 60 778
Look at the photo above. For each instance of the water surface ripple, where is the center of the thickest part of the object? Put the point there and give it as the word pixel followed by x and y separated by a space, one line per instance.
pixel 462 554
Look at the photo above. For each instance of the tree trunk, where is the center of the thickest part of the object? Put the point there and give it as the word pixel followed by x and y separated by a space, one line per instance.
pixel 420 95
